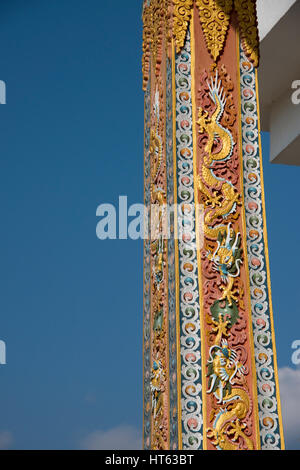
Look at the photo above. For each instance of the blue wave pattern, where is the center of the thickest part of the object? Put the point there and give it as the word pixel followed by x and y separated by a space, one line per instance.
pixel 190 339
pixel 260 302
pixel 171 265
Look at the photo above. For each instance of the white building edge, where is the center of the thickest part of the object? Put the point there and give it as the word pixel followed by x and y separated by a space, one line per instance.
pixel 279 77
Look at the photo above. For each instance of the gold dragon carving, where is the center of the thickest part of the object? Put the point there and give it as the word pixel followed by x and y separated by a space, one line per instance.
pixel 231 401
pixel 228 426
pixel 158 380
pixel 220 195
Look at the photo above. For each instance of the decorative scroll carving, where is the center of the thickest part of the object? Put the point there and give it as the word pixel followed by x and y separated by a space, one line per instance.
pixel 182 16
pixel 171 18
pixel 268 403
pixel 173 350
pixel 246 12
pixel 159 20
pixel 191 373
pixel 215 17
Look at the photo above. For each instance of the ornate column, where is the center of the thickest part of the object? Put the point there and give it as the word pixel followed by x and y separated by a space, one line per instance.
pixel 210 372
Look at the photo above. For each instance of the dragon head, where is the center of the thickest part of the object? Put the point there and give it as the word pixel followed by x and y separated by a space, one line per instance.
pixel 227 256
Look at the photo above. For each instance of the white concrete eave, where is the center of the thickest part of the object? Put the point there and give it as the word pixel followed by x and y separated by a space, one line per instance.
pixel 279 69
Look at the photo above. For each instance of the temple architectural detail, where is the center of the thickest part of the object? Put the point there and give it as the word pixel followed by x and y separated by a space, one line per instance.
pixel 210 371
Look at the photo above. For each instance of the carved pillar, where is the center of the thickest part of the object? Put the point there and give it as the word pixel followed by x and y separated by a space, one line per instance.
pixel 210 372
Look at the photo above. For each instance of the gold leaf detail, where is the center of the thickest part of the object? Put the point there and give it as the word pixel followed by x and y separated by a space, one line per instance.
pixel 182 15
pixel 147 21
pixel 246 12
pixel 215 18
pixel 155 16
pixel 158 13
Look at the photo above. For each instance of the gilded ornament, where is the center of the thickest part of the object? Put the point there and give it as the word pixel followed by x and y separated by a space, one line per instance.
pixel 158 10
pixel 215 17
pixel 156 17
pixel 159 19
pixel 147 20
pixel 182 15
pixel 246 12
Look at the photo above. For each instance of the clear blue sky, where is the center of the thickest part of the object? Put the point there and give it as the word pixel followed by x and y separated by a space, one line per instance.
pixel 71 305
